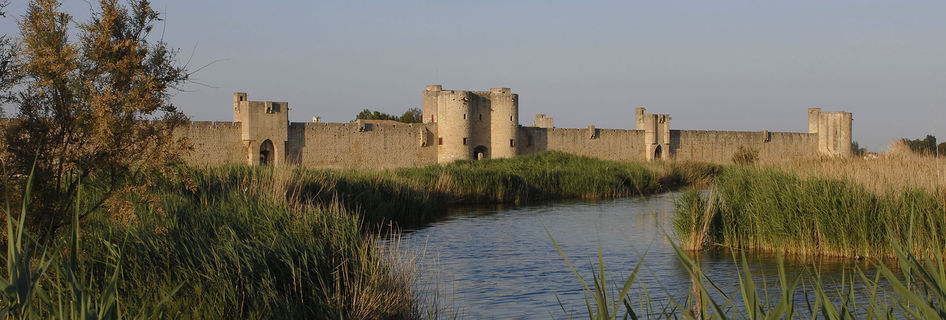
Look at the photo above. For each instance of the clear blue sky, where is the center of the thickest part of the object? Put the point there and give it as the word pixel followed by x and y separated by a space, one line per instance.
pixel 729 65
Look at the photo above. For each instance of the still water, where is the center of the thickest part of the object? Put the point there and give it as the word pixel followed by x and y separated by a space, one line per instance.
pixel 500 263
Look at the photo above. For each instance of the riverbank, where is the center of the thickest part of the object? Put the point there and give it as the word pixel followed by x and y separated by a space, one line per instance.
pixel 830 207
pixel 267 242
pixel 411 196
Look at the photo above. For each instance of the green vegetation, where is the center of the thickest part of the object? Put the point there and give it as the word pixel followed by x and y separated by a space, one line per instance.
pixel 417 195
pixel 773 210
pixel 412 115
pixel 859 151
pixel 916 292
pixel 194 244
pixel 926 145
pixel 745 156
pixel 252 242
pixel 83 108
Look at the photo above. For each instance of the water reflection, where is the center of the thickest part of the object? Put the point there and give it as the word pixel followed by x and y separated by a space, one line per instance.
pixel 500 262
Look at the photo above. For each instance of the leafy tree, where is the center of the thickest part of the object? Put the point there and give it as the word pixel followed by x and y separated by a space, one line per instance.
pixel 941 148
pixel 413 115
pixel 8 70
pixel 857 150
pixel 94 111
pixel 922 146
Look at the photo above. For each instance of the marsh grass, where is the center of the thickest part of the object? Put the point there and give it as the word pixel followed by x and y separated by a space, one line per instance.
pixel 914 289
pixel 774 210
pixel 208 248
pixel 262 242
pixel 411 196
pixel 897 169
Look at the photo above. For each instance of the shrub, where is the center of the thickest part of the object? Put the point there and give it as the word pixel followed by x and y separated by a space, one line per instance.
pixel 745 156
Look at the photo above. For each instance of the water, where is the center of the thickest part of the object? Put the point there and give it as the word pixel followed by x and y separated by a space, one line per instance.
pixel 501 264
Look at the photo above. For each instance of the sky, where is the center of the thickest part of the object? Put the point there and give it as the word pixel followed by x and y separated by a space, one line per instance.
pixel 716 65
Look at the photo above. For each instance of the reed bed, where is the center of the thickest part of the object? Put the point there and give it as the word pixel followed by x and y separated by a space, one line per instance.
pixel 778 210
pixel 410 196
pixel 913 289
pixel 295 242
pixel 897 169
pixel 197 244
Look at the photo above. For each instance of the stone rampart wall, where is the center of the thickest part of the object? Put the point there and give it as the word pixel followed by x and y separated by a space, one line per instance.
pixel 215 143
pixel 719 146
pixel 607 144
pixel 354 145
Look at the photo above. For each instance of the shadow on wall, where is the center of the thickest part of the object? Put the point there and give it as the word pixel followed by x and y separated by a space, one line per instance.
pixel 296 143
pixel 533 140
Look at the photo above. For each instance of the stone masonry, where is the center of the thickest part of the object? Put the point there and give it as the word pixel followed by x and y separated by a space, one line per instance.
pixel 470 125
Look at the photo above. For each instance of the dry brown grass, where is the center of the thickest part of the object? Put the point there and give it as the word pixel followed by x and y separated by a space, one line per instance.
pixel 896 169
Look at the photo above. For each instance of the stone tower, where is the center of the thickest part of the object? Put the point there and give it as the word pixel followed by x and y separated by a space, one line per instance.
pixel 504 123
pixel 656 129
pixel 834 131
pixel 264 129
pixel 429 102
pixel 473 124
pixel 454 125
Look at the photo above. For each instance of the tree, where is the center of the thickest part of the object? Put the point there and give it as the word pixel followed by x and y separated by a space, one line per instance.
pixel 412 115
pixel 93 112
pixel 856 149
pixel 8 70
pixel 925 146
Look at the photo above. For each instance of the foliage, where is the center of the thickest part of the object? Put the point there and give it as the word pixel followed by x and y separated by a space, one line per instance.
pixel 85 108
pixel 745 156
pixel 199 247
pixel 8 68
pixel 774 210
pixel 857 150
pixel 914 289
pixel 410 196
pixel 922 146
pixel 412 115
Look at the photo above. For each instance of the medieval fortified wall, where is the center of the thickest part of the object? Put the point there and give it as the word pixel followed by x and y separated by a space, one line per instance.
pixel 462 124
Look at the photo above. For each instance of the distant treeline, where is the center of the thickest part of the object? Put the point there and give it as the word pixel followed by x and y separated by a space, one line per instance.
pixel 926 145
pixel 412 115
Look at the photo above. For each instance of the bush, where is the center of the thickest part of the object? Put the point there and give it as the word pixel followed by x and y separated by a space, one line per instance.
pixel 745 156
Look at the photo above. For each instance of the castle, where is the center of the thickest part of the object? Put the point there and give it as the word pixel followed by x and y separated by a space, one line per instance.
pixel 459 124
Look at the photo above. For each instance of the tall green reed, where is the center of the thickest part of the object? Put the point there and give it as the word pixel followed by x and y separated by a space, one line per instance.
pixel 773 210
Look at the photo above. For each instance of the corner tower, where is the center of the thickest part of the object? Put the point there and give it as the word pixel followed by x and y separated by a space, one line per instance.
pixel 429 102
pixel 833 130
pixel 454 126
pixel 504 123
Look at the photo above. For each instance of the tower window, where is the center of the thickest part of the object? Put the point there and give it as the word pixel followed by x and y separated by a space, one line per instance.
pixel 510 118
pixel 481 117
pixel 464 116
pixel 440 141
pixel 464 141
pixel 512 143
